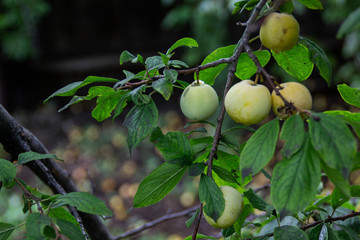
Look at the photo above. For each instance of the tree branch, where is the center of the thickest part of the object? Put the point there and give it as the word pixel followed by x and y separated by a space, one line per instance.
pixel 16 139
pixel 156 222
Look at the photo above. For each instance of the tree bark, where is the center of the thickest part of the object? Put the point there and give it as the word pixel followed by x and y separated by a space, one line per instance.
pixel 16 139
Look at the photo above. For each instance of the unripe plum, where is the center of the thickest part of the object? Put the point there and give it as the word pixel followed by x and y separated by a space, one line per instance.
pixel 199 101
pixel 248 103
pixel 279 32
pixel 293 92
pixel 233 208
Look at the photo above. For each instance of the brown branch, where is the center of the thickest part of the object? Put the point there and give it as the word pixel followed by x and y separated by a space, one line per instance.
pixel 231 73
pixel 156 222
pixel 15 140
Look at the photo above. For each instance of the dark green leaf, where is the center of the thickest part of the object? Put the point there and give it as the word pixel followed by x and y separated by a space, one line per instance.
pixel 328 135
pixel 289 232
pixel 158 184
pixel 227 232
pixel 138 97
pixel 259 149
pixel 174 146
pixel 346 233
pixel 126 56
pixel 336 178
pixel 241 5
pixel 165 58
pixel 351 23
pixel 312 4
pixel 178 64
pixel 319 232
pixel 230 163
pixel 355 190
pixel 319 58
pixel 75 99
pixel 7 172
pixel 71 89
pixel 164 87
pixel 35 225
pixel 189 42
pixel 196 169
pixel 246 67
pixel 5 230
pixel 349 94
pixel 293 134
pixel 122 103
pixel 69 229
pixel 224 174
pixel 190 221
pixel 63 214
pixel 295 61
pixel 351 118
pixel 208 75
pixel 256 201
pixel 84 202
pixel 295 181
pixel 140 121
pixel 211 196
pixel 338 198
pixel 247 210
pixel 31 156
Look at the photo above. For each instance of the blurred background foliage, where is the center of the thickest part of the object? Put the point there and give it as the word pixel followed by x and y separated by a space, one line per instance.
pixel 48 44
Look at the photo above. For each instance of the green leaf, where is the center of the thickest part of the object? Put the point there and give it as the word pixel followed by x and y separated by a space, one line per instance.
pixel 154 62
pixel 319 58
pixel 246 68
pixel 164 87
pixel 31 156
pixel 224 174
pixel 351 118
pixel 75 99
pixel 293 134
pixel 63 214
pixel 171 74
pixel 84 202
pixel 71 89
pixel 35 225
pixel 351 23
pixel 138 97
pixel 355 190
pixel 229 162
pixel 158 184
pixel 336 178
pixel 122 103
pixel 338 198
pixel 174 146
pixel 346 233
pixel 126 56
pixel 211 196
pixel 196 169
pixel 138 59
pixel 259 149
pixel 189 42
pixel 5 230
pixel 295 61
pixel 241 5
pixel 312 4
pixel 69 229
pixel 208 75
pixel 199 236
pixel 289 232
pixel 140 121
pixel 295 181
pixel 7 172
pixel 319 232
pixel 106 103
pixel 257 201
pixel 349 94
pixel 190 221
pixel 328 135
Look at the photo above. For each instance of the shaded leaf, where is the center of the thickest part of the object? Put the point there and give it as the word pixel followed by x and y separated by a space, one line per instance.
pixel 211 196
pixel 246 67
pixel 293 134
pixel 259 149
pixel 174 146
pixel 164 87
pixel 126 56
pixel 312 4
pixel 140 121
pixel 319 58
pixel 351 23
pixel 35 226
pixel 7 172
pixel 69 229
pixel 5 230
pixel 289 232
pixel 295 180
pixel 158 184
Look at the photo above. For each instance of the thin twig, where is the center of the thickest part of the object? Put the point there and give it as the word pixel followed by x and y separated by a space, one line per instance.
pixel 156 222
